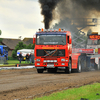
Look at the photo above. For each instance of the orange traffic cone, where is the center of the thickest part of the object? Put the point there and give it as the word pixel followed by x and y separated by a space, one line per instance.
pixel 17 65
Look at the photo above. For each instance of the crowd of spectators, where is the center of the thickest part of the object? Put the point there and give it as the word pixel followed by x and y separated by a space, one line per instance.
pixel 29 58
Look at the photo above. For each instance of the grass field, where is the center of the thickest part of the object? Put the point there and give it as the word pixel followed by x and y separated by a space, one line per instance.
pixel 14 62
pixel 88 92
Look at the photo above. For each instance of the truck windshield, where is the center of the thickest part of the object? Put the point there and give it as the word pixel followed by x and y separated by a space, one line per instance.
pixel 92 42
pixel 51 39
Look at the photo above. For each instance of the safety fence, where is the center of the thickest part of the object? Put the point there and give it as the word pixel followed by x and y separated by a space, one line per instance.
pixel 3 60
pixel 10 68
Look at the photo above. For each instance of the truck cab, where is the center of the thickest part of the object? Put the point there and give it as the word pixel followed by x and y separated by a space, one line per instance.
pixel 53 50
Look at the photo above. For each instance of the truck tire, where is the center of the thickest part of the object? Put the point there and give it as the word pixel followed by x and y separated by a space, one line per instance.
pixel 40 70
pixel 68 69
pixel 79 66
pixel 97 66
pixel 85 62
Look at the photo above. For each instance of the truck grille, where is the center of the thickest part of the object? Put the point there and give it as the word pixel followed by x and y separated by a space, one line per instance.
pixel 50 53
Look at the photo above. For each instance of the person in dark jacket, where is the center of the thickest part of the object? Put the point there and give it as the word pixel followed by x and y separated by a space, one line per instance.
pixel 20 57
pixel 27 58
pixel 30 58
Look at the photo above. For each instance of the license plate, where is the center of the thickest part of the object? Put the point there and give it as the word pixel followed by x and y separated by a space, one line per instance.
pixel 50 65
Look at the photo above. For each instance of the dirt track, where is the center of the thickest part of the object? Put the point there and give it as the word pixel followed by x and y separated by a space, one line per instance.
pixel 27 83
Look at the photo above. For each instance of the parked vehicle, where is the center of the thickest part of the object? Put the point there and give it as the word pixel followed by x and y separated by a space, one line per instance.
pixel 4 51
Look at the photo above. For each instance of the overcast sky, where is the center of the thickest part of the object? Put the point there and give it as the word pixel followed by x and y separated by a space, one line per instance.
pixel 20 18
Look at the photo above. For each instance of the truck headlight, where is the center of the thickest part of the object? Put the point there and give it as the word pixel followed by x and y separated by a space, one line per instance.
pixel 62 59
pixel 37 59
pixel 55 60
pixel 51 61
pixel 44 61
pixel 48 60
pixel 38 63
pixel 63 64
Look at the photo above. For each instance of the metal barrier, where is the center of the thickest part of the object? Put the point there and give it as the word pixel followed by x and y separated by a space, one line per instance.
pixel 3 60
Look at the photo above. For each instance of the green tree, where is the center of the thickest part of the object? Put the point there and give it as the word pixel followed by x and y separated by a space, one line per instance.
pixel 14 54
pixel 0 32
pixel 30 46
pixel 19 46
pixel 1 40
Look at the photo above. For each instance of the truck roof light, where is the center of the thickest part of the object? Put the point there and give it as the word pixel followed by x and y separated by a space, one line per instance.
pixel 63 29
pixel 54 30
pixel 59 29
pixel 50 30
pixel 42 30
pixel 39 29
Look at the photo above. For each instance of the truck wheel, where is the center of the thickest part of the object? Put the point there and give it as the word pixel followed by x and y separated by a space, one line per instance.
pixel 79 67
pixel 97 66
pixel 68 69
pixel 40 70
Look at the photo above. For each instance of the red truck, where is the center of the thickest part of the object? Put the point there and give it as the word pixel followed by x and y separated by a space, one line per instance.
pixel 53 51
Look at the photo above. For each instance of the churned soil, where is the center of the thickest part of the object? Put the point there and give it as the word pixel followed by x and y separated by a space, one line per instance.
pixel 25 84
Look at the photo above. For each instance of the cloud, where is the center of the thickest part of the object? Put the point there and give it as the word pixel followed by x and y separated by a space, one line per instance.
pixel 20 18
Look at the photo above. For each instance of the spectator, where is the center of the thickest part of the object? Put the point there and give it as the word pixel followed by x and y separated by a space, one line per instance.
pixel 30 58
pixel 20 57
pixel 27 58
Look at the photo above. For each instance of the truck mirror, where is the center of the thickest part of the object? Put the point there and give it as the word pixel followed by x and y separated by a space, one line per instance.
pixel 70 40
pixel 34 37
pixel 33 40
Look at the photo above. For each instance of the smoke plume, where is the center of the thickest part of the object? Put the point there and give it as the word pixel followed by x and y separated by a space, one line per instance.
pixel 47 7
pixel 72 9
pixel 78 9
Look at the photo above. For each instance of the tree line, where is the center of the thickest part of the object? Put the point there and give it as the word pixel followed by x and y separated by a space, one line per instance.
pixel 19 46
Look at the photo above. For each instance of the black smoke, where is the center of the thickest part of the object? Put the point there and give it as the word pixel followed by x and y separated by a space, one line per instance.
pixel 48 6
pixel 73 14
pixel 72 9
pixel 78 8
pixel 88 4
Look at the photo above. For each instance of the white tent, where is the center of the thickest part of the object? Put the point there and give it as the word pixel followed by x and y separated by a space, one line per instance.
pixel 25 51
